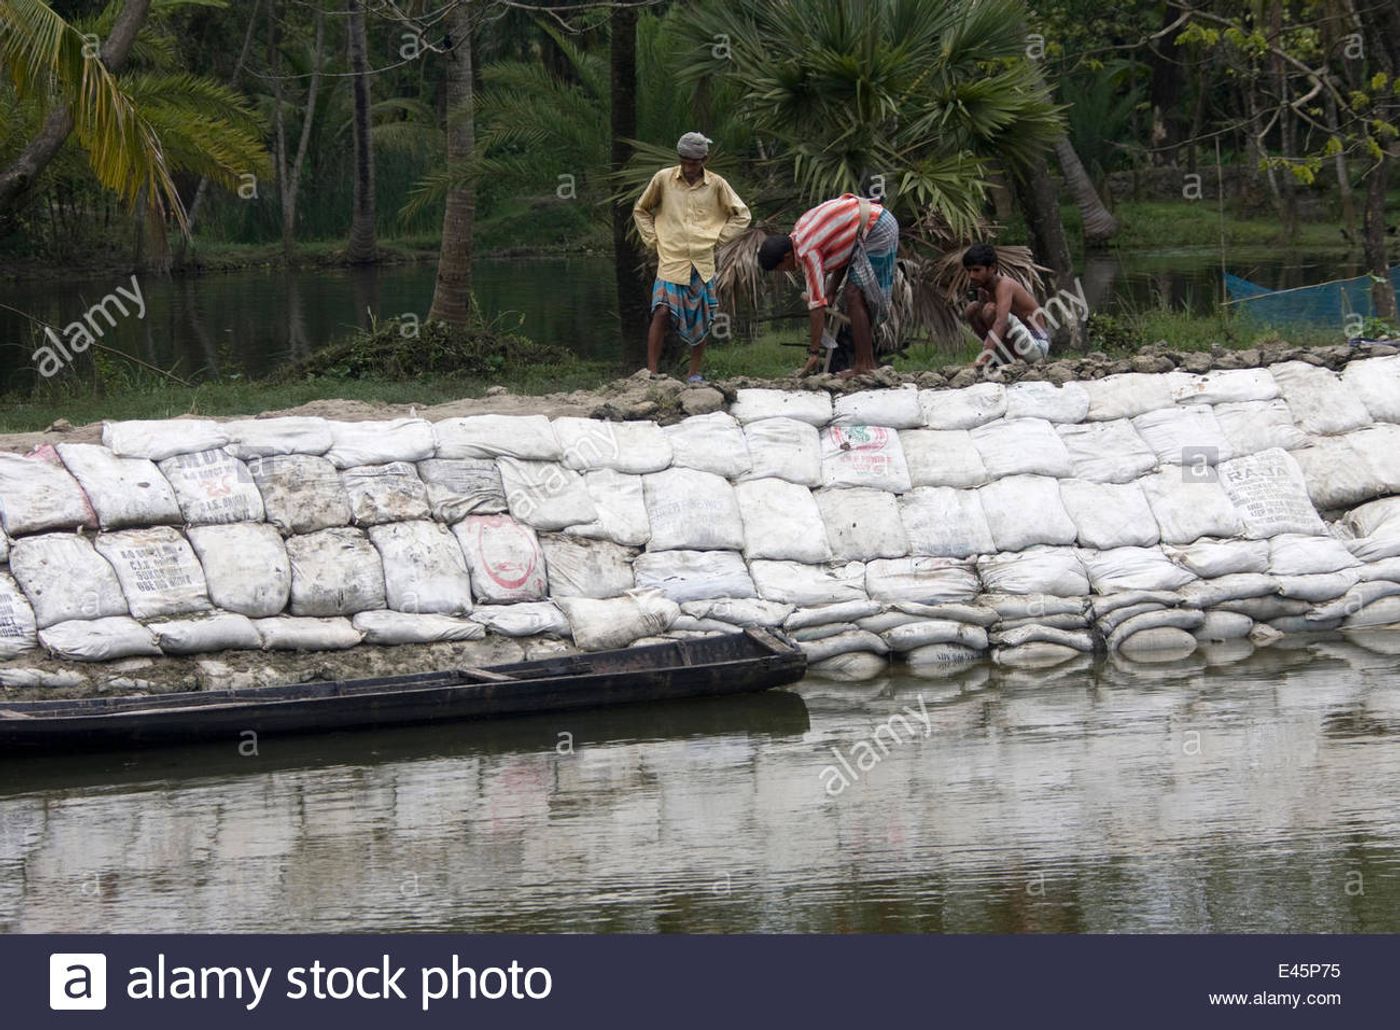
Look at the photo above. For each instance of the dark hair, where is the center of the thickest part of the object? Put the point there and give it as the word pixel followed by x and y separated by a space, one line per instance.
pixel 772 251
pixel 983 254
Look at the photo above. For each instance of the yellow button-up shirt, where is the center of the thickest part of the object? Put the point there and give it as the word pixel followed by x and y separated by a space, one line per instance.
pixel 684 223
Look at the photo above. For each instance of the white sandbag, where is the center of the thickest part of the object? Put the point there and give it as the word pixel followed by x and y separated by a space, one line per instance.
pixel 1375 382
pixel 1320 404
pixel 1381 446
pixel 965 408
pixel 602 625
pixel 847 611
pixel 942 457
pixel 525 437
pixel 1355 599
pixel 1270 494
pixel 1376 518
pixel 1023 511
pixel 1038 570
pixel 1222 625
pixel 622 509
pixel 1253 426
pixel 863 456
pixel 301 493
pixel 935 631
pixel 781 521
pixel 710 627
pixel 289 633
pixel 123 491
pixel 504 558
pixel 1385 612
pixel 1337 474
pixel 843 643
pixel 1318 588
pixel 1371 549
pixel 545 495
pixel 335 572
pixel 710 443
pixel 1107 452
pixel 1132 568
pixel 1104 604
pixel 1079 640
pixel 99 640
pixel 1188 507
pixel 528 619
pixel 586 568
pixel 1034 656
pixel 38 494
pixel 810 633
pixel 163 438
pixel 1067 403
pixel 921 580
pixel 1038 606
pixel 692 511
pixel 631 447
pixel 424 571
pixel 458 487
pixel 385 493
pixel 975 615
pixel 391 628
pixel 1264 609
pixel 18 677
pixel 213 487
pixel 754 405
pixel 1184 436
pixel 18 630
pixel 1235 586
pixel 1050 622
pixel 739 611
pixel 694 575
pixel 222 631
pixel 158 571
pixel 1126 395
pixel 886 620
pixel 1225 386
pixel 851 667
pixel 1210 558
pixel 1292 555
pixel 792 582
pixel 245 567
pixel 1161 641
pixel 943 522
pixel 892 409
pixel 1185 619
pixel 1294 624
pixel 1108 515
pixel 380 443
pixel 862 524
pixel 952 656
pixel 1379 569
pixel 1107 623
pixel 1022 446
pixel 65 579
pixel 786 448
pixel 291 434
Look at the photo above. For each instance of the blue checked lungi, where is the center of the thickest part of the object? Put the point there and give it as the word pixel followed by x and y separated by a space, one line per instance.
pixel 693 308
pixel 872 265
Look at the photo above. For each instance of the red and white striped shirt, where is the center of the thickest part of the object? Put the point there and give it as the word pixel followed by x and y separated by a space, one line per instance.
pixel 823 239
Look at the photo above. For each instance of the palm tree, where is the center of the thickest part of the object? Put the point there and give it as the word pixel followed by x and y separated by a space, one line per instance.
pixel 362 239
pixel 452 291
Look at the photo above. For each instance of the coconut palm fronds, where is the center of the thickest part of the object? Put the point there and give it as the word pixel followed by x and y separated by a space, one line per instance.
pixel 738 275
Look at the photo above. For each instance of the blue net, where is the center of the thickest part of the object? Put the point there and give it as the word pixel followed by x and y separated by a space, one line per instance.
pixel 1329 303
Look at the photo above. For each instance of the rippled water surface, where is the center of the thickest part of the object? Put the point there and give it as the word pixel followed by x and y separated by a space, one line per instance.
pixel 1215 794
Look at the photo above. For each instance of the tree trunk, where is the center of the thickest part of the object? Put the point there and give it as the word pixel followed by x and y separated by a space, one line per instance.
pixel 1039 201
pixel 1339 161
pixel 203 188
pixel 290 178
pixel 1099 223
pixel 632 315
pixel 362 240
pixel 1164 93
pixel 1382 291
pixel 452 292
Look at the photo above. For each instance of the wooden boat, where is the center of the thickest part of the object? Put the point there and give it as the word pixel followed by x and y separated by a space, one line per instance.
pixel 713 666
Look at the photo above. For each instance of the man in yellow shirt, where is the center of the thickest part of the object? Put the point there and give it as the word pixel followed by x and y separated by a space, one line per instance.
pixel 684 214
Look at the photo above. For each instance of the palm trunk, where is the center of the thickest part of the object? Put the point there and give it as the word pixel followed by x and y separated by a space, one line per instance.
pixel 1039 202
pixel 627 258
pixel 452 292
pixel 1099 223
pixel 1382 291
pixel 362 245
pixel 203 188
pixel 290 178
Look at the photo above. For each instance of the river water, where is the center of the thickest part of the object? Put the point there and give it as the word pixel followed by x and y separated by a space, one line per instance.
pixel 1216 794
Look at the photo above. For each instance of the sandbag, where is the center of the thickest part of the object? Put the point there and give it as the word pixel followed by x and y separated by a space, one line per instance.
pixel 1184 436
pixel 974 615
pixel 631 447
pixel 380 443
pixel 18 630
pixel 1381 568
pixel 1376 519
pixel 603 625
pixel 1080 640
pixel 1185 619
pixel 99 640
pixel 786 448
pixel 695 575
pixel 424 571
pixel 862 524
pixel 1108 515
pixel 621 506
pixel 1107 452
pixel 391 628
pixel 1320 404
pixel 710 443
pixel 891 409
pixel 1026 606
pixel 524 437
pixel 213 487
pixel 1188 508
pixel 739 611
pixel 163 438
pixel 810 633
pixel 807 585
pixel 245 567
pixel 965 408
pixel 301 493
pixel 1162 642
pixel 586 568
pixel 527 619
pixel 692 511
pixel 290 434
pixel 545 495
pixel 884 620
pixel 1209 593
pixel 1209 558
pixel 935 631
pixel 942 656
pixel 288 633
pixel 843 643
pixel 1339 473
pixel 37 495
pixel 65 579
pixel 158 571
pixel 1253 426
pixel 1067 403
pixel 1022 446
pixel 458 487
pixel 504 558
pixel 1355 599
pixel 1375 382
pixel 942 457
pixel 1293 555
pixel 943 522
pixel 123 491
pixel 846 611
pixel 1039 570
pixel 1264 609
pixel 222 631
pixel 781 521
pixel 1270 494
pixel 754 405
pixel 1318 588
pixel 378 494
pixel 1103 605
pixel 1225 386
pixel 1126 395
pixel 1385 612
pixel 922 580
pixel 1038 655
pixel 335 572
pixel 1371 549
pixel 1222 625
pixel 1023 511
pixel 1107 623
pixel 863 456
pixel 853 666
pixel 1132 568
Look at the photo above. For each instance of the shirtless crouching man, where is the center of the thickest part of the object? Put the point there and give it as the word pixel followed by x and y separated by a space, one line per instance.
pixel 1005 316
